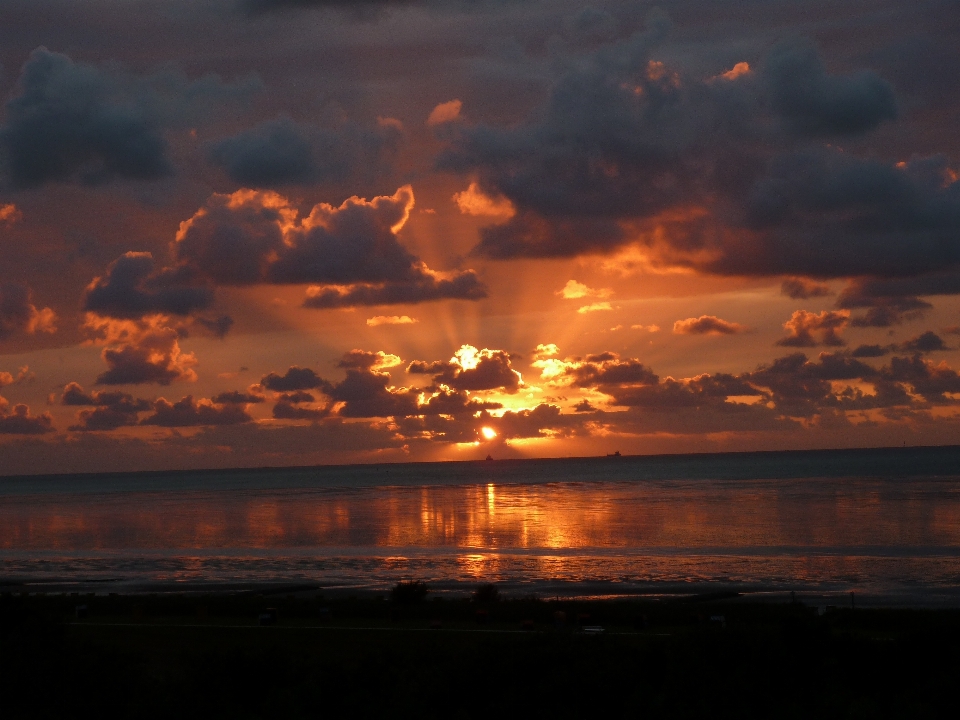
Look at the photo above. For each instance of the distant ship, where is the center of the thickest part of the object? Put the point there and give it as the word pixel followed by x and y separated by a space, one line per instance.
pixel 489 457
pixel 614 454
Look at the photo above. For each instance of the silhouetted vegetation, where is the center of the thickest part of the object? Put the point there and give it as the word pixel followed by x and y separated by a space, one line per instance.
pixel 487 593
pixel 408 593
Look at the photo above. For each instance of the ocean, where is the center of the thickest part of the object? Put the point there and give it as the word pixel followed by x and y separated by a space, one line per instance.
pixel 882 524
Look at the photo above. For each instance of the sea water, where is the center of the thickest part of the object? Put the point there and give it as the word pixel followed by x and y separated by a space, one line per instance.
pixel 884 524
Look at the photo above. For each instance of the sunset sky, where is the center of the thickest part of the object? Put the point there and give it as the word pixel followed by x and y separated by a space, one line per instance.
pixel 287 232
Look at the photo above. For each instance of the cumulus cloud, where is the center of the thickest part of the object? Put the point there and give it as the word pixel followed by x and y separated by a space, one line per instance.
pixel 189 413
pixel 870 351
pixel 352 251
pixel 366 392
pixel 707 325
pixel 809 329
pixel 19 421
pixel 18 314
pixel 472 369
pixel 133 286
pixel 280 152
pixel 926 342
pixel 140 351
pixel 366 360
pixel 594 370
pixel 287 407
pixel 545 350
pixel 378 320
pixel 23 375
pixel 296 378
pixel 111 409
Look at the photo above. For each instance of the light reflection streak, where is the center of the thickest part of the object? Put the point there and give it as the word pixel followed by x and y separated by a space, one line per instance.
pixel 664 531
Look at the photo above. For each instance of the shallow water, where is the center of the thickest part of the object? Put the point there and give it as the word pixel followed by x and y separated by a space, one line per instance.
pixel 590 527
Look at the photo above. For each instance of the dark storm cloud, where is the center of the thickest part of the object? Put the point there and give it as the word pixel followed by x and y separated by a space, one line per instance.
pixel 280 152
pixel 926 342
pixel 826 213
pixel 66 121
pixel 869 351
pixel 296 378
pixel 800 288
pixel 892 301
pixel 18 314
pixel 71 121
pixel 300 396
pixel 352 251
pixel 133 286
pixel 728 174
pixel 189 413
pixel 218 326
pixel 236 397
pixel 288 409
pixel 934 382
pixel 813 102
pixel 465 286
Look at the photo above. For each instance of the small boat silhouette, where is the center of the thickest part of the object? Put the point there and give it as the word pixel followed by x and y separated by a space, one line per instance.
pixel 614 454
pixel 489 457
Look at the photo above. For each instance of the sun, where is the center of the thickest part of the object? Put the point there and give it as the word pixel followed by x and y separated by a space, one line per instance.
pixel 488 433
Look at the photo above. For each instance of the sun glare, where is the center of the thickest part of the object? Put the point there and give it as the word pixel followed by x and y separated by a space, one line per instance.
pixel 488 433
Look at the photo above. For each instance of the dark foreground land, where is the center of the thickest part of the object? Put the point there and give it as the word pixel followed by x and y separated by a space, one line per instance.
pixel 209 656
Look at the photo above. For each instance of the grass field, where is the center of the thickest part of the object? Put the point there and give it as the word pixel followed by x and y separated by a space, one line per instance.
pixel 210 656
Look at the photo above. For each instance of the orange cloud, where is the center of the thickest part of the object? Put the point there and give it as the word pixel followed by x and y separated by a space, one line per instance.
pixel 595 307
pixel 707 325
pixel 473 201
pixel 391 320
pixel 738 70
pixel 803 326
pixel 444 113
pixel 140 351
pixel 9 214
pixel 574 290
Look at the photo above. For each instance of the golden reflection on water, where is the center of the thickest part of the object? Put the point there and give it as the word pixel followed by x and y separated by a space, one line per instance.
pixel 483 520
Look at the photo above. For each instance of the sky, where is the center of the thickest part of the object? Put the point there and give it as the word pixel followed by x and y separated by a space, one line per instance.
pixel 244 233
